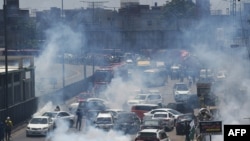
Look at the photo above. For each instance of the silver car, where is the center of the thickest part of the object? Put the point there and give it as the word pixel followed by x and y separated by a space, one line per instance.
pixel 39 125
pixel 60 115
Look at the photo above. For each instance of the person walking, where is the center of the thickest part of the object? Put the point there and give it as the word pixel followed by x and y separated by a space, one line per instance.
pixel 1 131
pixel 187 131
pixel 79 119
pixel 8 128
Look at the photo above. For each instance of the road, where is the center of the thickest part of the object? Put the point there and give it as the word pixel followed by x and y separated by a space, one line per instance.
pixel 75 75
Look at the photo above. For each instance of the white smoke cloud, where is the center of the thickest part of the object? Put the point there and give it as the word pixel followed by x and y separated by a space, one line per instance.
pixel 63 133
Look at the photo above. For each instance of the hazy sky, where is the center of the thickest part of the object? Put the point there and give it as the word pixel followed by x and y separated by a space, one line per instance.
pixel 72 4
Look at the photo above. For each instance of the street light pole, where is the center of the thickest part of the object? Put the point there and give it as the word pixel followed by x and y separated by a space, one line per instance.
pixel 6 58
pixel 62 11
pixel 63 51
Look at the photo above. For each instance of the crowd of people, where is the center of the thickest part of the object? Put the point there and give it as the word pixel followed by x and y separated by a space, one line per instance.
pixel 5 129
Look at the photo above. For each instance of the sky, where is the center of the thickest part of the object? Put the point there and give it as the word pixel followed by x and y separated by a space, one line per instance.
pixel 76 4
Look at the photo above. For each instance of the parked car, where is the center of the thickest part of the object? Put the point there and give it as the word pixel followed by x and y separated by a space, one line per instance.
pixel 172 112
pixel 140 109
pixel 39 125
pixel 60 115
pixel 181 122
pixel 221 75
pixel 167 118
pixel 146 98
pixel 152 135
pixel 181 92
pixel 127 122
pixel 73 107
pixel 154 124
pixel 104 121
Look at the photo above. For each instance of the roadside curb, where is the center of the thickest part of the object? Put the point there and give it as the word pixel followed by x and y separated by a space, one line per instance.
pixel 18 127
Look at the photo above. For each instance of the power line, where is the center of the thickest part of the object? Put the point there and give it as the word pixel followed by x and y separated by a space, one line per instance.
pixel 95 4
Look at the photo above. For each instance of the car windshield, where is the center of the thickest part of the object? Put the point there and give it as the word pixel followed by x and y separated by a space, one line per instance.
pixel 140 97
pixel 50 114
pixel 151 122
pixel 182 87
pixel 185 117
pixel 103 121
pixel 160 115
pixel 38 121
pixel 154 97
pixel 147 135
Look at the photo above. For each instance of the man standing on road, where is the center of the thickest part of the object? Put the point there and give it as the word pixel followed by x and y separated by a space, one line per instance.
pixel 187 131
pixel 8 128
pixel 79 119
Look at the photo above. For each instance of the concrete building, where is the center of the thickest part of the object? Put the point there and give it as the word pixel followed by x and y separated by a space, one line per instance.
pixel 17 34
pixel 17 101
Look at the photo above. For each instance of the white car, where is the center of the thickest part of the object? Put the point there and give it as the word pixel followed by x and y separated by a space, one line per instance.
pixel 104 121
pixel 152 135
pixel 39 125
pixel 60 115
pixel 166 117
pixel 221 75
pixel 146 98
pixel 181 92
pixel 73 107
pixel 172 112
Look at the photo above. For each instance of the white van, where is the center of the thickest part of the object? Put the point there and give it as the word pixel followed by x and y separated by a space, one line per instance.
pixel 146 98
pixel 104 120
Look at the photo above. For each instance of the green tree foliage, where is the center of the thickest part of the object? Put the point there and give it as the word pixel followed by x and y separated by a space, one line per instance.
pixel 180 9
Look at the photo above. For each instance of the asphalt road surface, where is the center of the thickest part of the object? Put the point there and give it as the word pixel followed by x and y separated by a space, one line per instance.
pixel 166 90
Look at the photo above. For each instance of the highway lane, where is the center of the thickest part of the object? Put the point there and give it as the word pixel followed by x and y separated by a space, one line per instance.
pixel 168 97
pixel 75 73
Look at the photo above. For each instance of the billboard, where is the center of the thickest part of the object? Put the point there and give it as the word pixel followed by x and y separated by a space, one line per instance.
pixel 210 127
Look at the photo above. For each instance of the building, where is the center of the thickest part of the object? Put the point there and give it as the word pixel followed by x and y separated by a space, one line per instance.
pixel 18 26
pixel 19 102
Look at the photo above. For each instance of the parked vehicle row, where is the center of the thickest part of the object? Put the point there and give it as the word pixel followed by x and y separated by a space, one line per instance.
pixel 48 121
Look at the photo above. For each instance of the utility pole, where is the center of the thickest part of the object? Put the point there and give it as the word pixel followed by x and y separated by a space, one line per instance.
pixel 6 57
pixel 62 10
pixel 93 5
pixel 233 7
